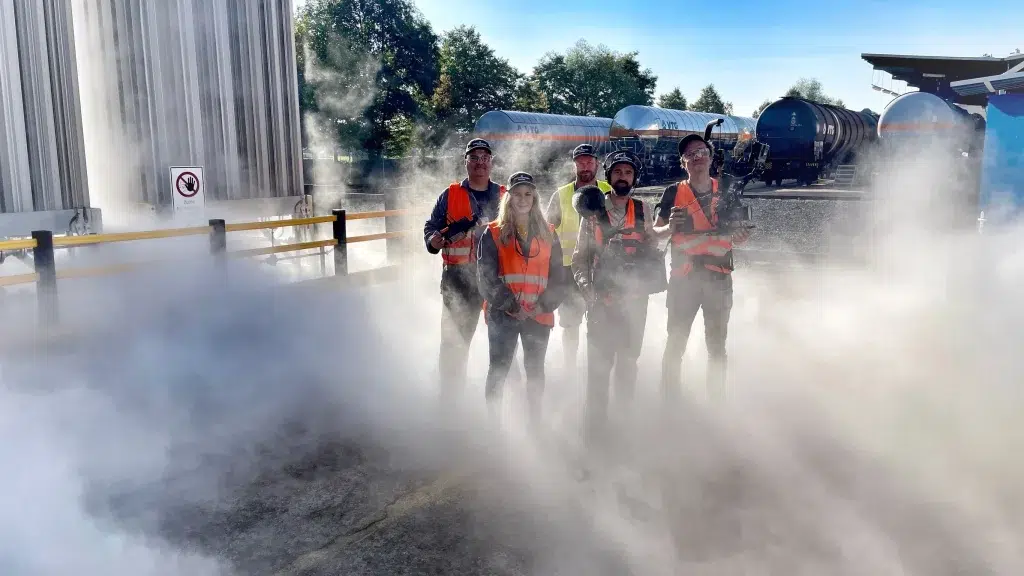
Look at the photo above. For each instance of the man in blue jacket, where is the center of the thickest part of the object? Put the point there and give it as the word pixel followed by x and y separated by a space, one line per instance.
pixel 475 197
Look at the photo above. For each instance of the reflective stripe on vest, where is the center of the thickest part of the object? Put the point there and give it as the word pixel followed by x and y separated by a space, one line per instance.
pixel 525 275
pixel 459 207
pixel 685 246
pixel 569 226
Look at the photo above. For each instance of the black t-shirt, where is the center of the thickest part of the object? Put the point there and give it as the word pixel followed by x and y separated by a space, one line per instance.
pixel 486 202
pixel 668 200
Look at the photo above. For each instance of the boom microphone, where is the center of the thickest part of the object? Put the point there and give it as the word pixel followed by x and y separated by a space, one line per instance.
pixel 589 201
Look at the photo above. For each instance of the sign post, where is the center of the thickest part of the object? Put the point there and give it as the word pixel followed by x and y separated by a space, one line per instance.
pixel 188 188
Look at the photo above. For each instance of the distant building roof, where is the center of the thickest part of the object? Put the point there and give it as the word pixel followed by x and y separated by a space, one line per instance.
pixel 935 74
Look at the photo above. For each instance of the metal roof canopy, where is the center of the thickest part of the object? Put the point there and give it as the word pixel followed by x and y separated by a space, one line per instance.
pixel 1012 80
pixel 934 74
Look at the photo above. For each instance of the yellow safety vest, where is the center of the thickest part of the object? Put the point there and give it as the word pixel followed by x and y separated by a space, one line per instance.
pixel 569 228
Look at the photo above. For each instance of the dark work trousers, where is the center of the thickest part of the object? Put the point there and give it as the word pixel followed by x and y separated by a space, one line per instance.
pixel 460 314
pixel 615 335
pixel 700 290
pixel 503 335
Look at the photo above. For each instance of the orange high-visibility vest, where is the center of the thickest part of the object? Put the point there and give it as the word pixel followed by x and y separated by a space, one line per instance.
pixel 717 254
pixel 526 275
pixel 459 207
pixel 632 234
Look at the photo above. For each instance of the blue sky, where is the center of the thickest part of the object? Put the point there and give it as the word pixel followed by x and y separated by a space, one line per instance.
pixel 749 50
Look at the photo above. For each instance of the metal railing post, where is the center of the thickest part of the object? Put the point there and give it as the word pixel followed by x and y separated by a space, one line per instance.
pixel 393 246
pixel 218 237
pixel 46 268
pixel 341 236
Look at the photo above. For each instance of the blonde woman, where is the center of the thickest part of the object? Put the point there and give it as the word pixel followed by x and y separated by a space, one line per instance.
pixel 520 274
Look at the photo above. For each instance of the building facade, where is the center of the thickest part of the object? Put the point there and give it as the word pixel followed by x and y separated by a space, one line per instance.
pixel 188 83
pixel 42 153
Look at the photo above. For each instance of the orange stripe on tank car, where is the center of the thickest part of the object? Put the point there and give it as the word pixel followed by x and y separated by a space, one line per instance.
pixel 656 132
pixel 923 126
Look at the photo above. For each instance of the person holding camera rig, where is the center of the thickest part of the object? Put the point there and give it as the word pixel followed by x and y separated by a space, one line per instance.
pixel 612 265
pixel 694 214
pixel 462 210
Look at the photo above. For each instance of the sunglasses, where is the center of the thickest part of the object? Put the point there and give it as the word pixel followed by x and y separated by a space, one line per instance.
pixel 698 153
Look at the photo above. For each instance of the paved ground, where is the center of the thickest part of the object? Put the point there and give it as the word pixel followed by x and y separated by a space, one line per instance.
pixel 292 435
pixel 328 460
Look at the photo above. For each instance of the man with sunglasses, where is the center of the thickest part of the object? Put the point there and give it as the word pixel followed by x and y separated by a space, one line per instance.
pixel 475 198
pixel 701 265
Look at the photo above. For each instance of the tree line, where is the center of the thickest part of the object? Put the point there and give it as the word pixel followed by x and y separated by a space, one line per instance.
pixel 373 75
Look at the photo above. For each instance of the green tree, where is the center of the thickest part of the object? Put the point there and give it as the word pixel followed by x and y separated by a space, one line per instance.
pixel 593 81
pixel 367 67
pixel 472 81
pixel 673 100
pixel 767 102
pixel 710 101
pixel 529 96
pixel 811 89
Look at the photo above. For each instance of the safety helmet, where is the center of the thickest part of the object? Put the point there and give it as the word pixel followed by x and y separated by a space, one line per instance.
pixel 618 157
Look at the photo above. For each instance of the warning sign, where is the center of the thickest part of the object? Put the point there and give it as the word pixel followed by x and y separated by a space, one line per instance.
pixel 188 188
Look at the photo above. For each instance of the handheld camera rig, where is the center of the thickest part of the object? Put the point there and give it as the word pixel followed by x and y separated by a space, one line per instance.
pixel 732 213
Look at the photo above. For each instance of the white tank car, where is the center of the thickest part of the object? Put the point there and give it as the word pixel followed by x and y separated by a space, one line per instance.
pixel 918 118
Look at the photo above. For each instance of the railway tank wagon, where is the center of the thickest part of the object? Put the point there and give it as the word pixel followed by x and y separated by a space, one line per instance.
pixel 808 138
pixel 539 143
pixel 918 117
pixel 654 134
pixel 926 138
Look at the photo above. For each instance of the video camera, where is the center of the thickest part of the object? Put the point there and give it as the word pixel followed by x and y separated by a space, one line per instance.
pixel 732 214
pixel 460 226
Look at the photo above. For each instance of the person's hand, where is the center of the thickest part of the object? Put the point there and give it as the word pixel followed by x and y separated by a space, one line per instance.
pixel 436 241
pixel 587 291
pixel 676 216
pixel 521 314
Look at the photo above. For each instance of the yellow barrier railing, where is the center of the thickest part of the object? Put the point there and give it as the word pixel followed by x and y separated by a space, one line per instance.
pixel 130 236
pixel 284 248
pixel 43 244
pixel 27 244
pixel 16 279
pixel 282 223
